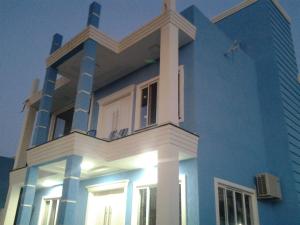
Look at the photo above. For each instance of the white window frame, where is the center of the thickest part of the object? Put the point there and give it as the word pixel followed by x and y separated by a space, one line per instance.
pixel 120 184
pixel 43 207
pixel 153 182
pixel 127 91
pixel 139 87
pixel 239 188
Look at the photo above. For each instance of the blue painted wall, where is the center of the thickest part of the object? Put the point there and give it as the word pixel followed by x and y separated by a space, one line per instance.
pixel 6 165
pixel 266 36
pixel 243 106
pixel 187 167
pixel 222 106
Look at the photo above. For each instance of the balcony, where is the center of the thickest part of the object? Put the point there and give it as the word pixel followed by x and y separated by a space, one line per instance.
pixel 114 59
pixel 138 150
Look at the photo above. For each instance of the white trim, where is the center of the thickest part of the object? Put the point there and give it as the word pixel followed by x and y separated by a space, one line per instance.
pixel 236 187
pixel 127 91
pixel 245 4
pixel 139 87
pixel 153 182
pixel 120 184
pixel 101 38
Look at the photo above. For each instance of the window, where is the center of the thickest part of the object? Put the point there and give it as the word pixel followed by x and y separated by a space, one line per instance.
pixel 144 206
pixel 63 123
pixel 148 104
pixel 235 205
pixel 49 211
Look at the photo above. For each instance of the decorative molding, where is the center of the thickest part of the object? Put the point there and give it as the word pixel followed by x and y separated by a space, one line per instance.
pixel 147 140
pixel 117 47
pixel 245 4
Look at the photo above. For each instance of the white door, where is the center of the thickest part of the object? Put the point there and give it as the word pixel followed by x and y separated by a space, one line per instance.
pixel 115 116
pixel 106 208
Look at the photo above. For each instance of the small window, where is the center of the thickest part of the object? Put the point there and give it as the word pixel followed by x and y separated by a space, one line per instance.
pixel 63 123
pixel 235 206
pixel 146 207
pixel 148 105
pixel 49 212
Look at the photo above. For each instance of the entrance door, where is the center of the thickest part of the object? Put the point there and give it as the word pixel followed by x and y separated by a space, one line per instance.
pixel 115 116
pixel 106 208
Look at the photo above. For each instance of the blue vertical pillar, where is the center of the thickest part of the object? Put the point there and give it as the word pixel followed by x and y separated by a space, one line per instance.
pixel 41 130
pixel 67 206
pixel 27 197
pixel 87 71
pixel 94 14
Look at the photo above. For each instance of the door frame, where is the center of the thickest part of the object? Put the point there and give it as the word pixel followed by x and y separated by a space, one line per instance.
pixel 120 184
pixel 127 91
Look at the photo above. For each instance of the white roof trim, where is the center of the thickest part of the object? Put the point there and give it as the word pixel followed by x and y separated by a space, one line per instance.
pixel 117 47
pixel 245 4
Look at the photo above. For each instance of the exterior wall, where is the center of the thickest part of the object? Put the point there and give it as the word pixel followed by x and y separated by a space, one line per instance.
pixel 187 167
pixel 272 49
pixel 6 164
pixel 221 105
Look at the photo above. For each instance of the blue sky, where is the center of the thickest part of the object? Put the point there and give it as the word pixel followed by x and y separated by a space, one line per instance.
pixel 27 27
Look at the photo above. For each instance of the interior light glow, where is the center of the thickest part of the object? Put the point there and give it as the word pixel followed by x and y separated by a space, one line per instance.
pixel 48 183
pixel 147 160
pixel 87 165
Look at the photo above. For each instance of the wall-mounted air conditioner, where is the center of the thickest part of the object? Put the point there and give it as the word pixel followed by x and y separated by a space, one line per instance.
pixel 267 186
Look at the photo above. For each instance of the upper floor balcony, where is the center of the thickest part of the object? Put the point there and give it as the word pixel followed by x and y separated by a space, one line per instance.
pixel 65 114
pixel 114 59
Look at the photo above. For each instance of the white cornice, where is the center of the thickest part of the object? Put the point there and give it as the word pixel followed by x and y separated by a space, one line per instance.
pixel 117 47
pixel 245 4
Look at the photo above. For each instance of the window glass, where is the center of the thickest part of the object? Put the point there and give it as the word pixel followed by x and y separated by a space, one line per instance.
pixel 142 207
pixel 147 205
pixel 235 207
pixel 239 208
pixel 144 107
pixel 230 207
pixel 221 206
pixel 148 105
pixel 248 210
pixel 152 206
pixel 152 104
pixel 63 123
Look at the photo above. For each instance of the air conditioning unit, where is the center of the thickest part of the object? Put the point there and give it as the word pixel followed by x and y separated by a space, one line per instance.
pixel 267 186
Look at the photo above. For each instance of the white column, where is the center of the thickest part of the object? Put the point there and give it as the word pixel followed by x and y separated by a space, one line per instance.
pixel 168 77
pixel 16 181
pixel 27 129
pixel 167 201
pixel 169 5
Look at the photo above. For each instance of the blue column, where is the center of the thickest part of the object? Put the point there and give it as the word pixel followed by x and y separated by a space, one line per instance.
pixel 94 14
pixel 27 197
pixel 86 77
pixel 41 130
pixel 67 206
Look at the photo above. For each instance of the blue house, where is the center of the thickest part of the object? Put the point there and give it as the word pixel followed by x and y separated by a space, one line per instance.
pixel 186 121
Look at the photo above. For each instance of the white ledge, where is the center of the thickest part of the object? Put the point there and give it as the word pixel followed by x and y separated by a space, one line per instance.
pixel 141 142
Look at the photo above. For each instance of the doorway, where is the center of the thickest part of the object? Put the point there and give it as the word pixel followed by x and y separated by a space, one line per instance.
pixel 106 207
